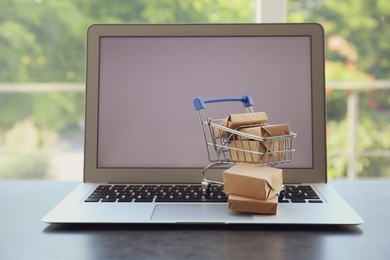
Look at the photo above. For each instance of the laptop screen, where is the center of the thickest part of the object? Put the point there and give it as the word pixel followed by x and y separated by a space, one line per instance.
pixel 145 117
pixel 147 84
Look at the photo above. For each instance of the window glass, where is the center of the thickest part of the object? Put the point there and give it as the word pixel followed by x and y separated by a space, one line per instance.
pixel 357 39
pixel 42 67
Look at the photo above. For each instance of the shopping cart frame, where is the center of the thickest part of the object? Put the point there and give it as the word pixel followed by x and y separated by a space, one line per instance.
pixel 223 143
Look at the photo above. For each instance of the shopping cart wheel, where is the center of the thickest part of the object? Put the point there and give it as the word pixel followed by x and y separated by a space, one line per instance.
pixel 206 188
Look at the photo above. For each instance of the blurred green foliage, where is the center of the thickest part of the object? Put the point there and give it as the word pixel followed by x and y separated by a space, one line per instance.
pixel 45 39
pixel 362 24
pixel 357 41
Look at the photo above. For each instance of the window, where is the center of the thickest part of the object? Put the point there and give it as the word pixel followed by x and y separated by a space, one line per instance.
pixel 358 85
pixel 42 74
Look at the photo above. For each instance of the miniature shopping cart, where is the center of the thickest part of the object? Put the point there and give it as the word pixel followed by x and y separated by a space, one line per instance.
pixel 230 146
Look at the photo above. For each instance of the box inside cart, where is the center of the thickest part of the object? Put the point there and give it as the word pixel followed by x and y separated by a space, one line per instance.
pixel 234 121
pixel 268 150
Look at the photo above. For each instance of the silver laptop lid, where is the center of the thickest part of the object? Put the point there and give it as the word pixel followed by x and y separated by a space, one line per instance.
pixel 141 79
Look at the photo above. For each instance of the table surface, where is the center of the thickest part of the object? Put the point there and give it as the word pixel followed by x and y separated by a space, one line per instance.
pixel 24 236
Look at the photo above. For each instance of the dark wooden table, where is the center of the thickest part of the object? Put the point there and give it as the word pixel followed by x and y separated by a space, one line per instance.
pixel 24 236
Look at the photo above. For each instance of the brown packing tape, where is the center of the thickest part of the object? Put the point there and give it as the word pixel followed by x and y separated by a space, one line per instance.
pixel 253 181
pixel 249 205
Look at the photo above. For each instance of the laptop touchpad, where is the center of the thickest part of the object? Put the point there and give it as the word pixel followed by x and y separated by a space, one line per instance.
pixel 197 213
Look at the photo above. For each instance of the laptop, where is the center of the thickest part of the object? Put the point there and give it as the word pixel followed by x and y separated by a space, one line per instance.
pixel 142 132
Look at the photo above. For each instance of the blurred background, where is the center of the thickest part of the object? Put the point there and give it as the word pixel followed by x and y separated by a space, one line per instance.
pixel 42 71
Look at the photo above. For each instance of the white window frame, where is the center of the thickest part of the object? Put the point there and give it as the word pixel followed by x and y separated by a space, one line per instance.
pixel 271 11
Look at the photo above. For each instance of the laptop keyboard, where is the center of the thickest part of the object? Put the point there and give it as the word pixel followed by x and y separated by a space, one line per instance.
pixel 186 193
pixel 155 193
pixel 300 194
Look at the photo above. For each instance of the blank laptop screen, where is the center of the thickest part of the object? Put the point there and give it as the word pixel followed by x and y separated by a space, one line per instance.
pixel 147 84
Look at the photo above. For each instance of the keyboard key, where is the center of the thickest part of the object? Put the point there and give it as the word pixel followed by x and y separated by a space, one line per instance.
pixel 298 200
pixel 191 199
pixel 125 200
pixel 312 197
pixel 92 199
pixel 103 187
pixel 97 196
pixel 170 199
pixel 108 200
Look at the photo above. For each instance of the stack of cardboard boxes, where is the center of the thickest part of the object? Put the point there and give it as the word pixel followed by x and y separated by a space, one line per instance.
pixel 252 187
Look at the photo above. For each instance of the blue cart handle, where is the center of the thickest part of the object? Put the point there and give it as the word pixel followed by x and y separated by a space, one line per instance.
pixel 200 103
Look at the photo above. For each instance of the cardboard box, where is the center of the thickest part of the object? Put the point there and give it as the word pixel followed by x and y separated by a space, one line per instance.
pixel 235 120
pixel 267 130
pixel 257 152
pixel 275 130
pixel 249 205
pixel 253 181
pixel 262 151
pixel 276 146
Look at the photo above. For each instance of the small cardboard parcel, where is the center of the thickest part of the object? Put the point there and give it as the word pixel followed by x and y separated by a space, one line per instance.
pixel 253 188
pixel 244 204
pixel 234 121
pixel 269 150
pixel 266 150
